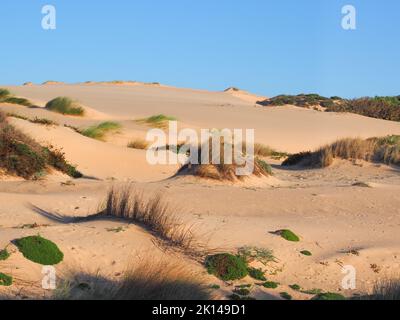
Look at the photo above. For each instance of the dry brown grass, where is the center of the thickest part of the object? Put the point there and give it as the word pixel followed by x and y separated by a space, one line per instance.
pixel 387 289
pixel 150 279
pixel 224 171
pixel 156 215
pixel 140 144
pixel 385 150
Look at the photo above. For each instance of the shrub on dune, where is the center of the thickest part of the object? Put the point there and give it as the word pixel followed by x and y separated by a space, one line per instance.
pixel 226 266
pixel 150 279
pixel 157 121
pixel 386 289
pixel 99 131
pixel 65 105
pixel 5 280
pixel 138 144
pixel 385 150
pixel 40 250
pixel 7 97
pixel 24 157
pixel 224 171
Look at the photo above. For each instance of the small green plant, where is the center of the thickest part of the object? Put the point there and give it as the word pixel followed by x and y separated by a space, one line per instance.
pixel 287 235
pixel 5 280
pixel 215 287
pixel 226 266
pixel 251 254
pixel 65 105
pixel 40 250
pixel 295 287
pixel 98 132
pixel 312 291
pixel 4 254
pixel 270 285
pixel 329 296
pixel 242 291
pixel 157 121
pixel 306 253
pixel 286 296
pixel 7 97
pixel 257 274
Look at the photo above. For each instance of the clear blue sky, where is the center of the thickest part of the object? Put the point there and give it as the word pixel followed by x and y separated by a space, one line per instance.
pixel 268 47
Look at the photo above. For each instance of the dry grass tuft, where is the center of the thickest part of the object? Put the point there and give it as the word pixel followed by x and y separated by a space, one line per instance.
pixel 140 144
pixel 224 171
pixel 385 150
pixel 387 289
pixel 151 279
pixel 156 215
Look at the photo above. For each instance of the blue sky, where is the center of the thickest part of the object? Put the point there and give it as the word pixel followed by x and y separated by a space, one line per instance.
pixel 268 47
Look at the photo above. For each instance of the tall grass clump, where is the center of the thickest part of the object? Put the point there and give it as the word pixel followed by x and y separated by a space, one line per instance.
pixel 224 171
pixel 388 289
pixel 65 105
pixel 155 214
pixel 7 97
pixel 383 150
pixel 22 156
pixel 149 279
pixel 157 121
pixel 99 131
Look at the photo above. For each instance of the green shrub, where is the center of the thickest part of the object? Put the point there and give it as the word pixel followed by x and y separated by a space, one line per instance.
pixel 329 296
pixel 295 287
pixel 306 253
pixel 226 266
pixel 40 250
pixel 157 121
pixel 270 285
pixel 19 101
pixel 99 131
pixel 301 100
pixel 65 105
pixel 257 274
pixel 263 255
pixel 4 255
pixel 5 280
pixel 4 93
pixel 242 291
pixel 286 296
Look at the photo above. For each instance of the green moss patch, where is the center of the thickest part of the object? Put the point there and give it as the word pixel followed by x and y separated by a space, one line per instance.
pixel 4 255
pixel 5 280
pixel 40 250
pixel 226 266
pixel 306 253
pixel 329 296
pixel 295 287
pixel 257 274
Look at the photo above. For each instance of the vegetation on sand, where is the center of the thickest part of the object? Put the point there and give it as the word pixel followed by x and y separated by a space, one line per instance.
pixel 40 250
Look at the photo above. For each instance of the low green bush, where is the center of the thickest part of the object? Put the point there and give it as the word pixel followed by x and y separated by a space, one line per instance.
pixel 5 280
pixel 4 254
pixel 226 266
pixel 65 105
pixel 40 250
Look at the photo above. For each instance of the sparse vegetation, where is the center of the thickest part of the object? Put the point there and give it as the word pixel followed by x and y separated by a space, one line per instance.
pixel 44 121
pixel 383 150
pixel 270 285
pixel 157 121
pixel 387 289
pixel 66 106
pixel 306 253
pixel 257 274
pixel 387 108
pixel 251 253
pixel 295 287
pixel 4 254
pixel 155 214
pixel 140 144
pixel 286 296
pixel 5 280
pixel 301 100
pixel 24 157
pixel 226 266
pixel 149 279
pixel 329 296
pixel 262 150
pixel 99 131
pixel 241 291
pixel 40 250
pixel 225 170
pixel 7 97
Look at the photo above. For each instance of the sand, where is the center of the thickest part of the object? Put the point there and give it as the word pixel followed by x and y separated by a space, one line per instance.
pixel 331 214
